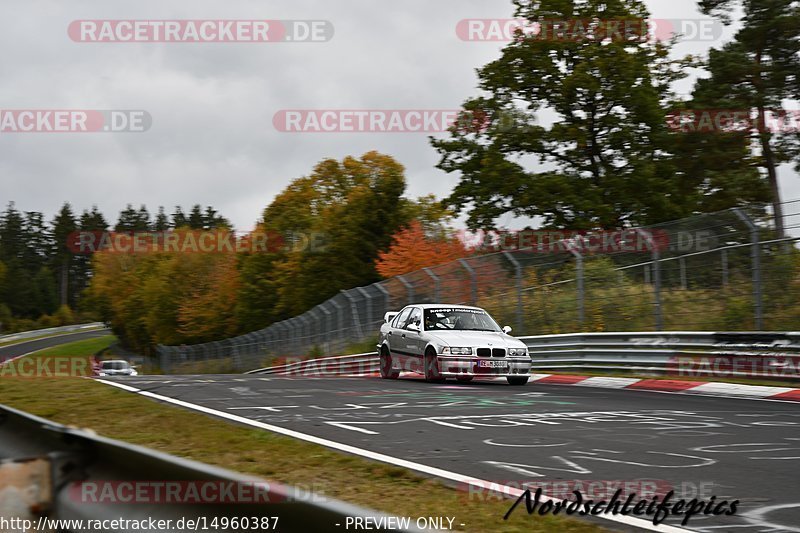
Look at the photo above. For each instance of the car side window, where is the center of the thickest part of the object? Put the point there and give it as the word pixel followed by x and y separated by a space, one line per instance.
pixel 414 318
pixel 400 320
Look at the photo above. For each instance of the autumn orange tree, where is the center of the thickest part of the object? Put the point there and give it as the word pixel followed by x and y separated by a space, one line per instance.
pixel 413 248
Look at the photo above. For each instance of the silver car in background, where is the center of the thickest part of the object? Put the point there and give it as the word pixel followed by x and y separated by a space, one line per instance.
pixel 443 341
pixel 116 367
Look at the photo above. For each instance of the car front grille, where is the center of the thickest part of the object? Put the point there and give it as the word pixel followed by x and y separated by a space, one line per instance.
pixel 491 352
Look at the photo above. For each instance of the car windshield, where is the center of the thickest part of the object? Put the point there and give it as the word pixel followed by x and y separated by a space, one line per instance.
pixel 115 365
pixel 457 318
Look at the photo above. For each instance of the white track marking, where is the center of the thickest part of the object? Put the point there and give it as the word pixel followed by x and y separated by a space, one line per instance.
pixel 429 470
pixel 607 383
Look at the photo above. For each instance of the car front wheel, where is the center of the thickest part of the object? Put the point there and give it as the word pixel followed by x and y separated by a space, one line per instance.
pixel 517 380
pixel 432 372
pixel 387 372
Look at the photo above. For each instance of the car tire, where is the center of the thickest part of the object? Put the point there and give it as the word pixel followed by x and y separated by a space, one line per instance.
pixel 432 372
pixel 464 379
pixel 387 372
pixel 517 380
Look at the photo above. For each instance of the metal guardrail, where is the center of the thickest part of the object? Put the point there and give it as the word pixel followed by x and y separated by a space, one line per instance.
pixel 44 467
pixel 665 351
pixel 655 352
pixel 22 335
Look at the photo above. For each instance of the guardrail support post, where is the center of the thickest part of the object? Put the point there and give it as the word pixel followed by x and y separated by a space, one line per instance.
pixel 473 281
pixel 755 254
pixel 656 277
pixel 437 293
pixel 518 276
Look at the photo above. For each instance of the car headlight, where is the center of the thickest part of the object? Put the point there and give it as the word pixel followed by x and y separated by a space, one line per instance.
pixel 455 350
pixel 517 351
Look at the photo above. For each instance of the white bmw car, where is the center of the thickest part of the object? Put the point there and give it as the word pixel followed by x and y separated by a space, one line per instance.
pixel 443 341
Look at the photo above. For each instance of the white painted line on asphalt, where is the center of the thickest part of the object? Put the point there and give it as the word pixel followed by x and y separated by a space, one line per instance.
pixel 607 382
pixel 429 470
pixel 753 391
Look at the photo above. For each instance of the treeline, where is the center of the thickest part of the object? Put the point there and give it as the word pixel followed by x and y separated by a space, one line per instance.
pixel 333 226
pixel 42 281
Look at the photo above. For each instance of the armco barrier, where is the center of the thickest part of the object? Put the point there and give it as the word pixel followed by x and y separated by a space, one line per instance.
pixel 46 468
pixel 648 352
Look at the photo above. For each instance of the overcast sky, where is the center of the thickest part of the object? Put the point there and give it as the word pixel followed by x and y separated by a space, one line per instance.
pixel 212 140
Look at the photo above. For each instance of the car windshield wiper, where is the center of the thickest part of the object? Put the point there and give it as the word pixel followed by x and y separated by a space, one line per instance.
pixel 478 329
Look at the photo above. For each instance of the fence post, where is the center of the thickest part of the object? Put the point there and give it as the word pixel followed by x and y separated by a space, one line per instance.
pixel 354 310
pixel 409 287
pixel 578 280
pixel 755 253
pixel 437 294
pixel 316 328
pixel 682 265
pixel 656 276
pixel 305 333
pixel 386 299
pixel 370 317
pixel 326 336
pixel 724 257
pixel 164 357
pixel 473 281
pixel 518 276
pixel 340 317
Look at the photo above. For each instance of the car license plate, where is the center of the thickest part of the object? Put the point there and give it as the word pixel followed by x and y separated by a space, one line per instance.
pixel 493 364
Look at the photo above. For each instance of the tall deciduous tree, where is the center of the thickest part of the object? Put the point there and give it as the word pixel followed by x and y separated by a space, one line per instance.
pixel 414 249
pixel 334 223
pixel 759 70
pixel 602 162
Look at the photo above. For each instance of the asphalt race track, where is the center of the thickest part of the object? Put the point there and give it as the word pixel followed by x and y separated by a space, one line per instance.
pixel 698 446
pixel 26 347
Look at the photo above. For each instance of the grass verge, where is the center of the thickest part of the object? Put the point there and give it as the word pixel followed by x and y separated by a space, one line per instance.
pixel 43 336
pixel 125 416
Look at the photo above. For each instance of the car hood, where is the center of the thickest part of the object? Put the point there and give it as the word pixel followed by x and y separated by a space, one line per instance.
pixel 475 338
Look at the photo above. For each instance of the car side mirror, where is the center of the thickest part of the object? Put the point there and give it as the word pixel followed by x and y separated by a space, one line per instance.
pixel 506 329
pixel 413 327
